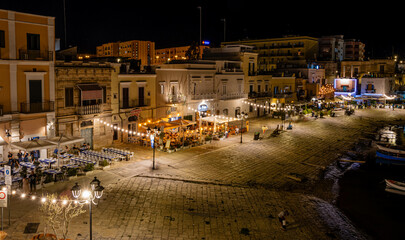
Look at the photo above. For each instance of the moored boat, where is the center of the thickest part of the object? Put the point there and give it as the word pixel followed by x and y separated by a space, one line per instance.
pixel 395 185
pixel 388 159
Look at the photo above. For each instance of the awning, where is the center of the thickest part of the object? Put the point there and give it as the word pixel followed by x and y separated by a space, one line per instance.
pixel 37 144
pixel 65 140
pixel 90 91
pixel 218 120
pixel 183 122
pixel 160 125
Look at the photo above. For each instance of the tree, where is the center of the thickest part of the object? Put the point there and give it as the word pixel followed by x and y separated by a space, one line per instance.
pixel 193 52
pixel 59 212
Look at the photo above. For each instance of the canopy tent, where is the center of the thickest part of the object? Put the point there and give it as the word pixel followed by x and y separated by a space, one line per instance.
pixel 217 119
pixel 183 122
pixel 160 125
pixel 36 144
pixel 65 140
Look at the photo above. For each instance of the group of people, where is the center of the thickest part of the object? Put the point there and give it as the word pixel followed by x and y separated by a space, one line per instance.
pixel 29 183
pixel 13 162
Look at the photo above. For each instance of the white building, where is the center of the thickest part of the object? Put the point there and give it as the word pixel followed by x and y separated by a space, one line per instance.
pixel 376 86
pixel 215 87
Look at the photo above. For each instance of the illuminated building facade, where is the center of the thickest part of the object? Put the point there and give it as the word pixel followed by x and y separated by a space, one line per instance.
pixel 165 55
pixel 27 80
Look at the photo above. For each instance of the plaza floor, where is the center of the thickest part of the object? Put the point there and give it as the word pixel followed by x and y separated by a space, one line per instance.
pixel 223 189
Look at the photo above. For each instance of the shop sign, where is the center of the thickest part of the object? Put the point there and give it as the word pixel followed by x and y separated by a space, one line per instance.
pixel 202 107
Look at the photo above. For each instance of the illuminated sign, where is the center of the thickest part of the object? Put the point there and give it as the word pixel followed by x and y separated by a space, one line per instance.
pixel 345 86
pixel 206 42
pixel 202 107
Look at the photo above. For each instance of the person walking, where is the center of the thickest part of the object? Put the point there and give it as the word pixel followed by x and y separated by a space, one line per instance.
pixel 281 219
pixel 33 182
pixel 25 185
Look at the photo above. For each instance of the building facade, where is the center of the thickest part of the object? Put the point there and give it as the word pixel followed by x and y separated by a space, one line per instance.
pixel 83 99
pixel 188 87
pixel 165 55
pixel 134 102
pixel 27 81
pixel 276 51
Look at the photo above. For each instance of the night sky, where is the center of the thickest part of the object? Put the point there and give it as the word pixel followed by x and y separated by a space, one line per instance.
pixel 176 23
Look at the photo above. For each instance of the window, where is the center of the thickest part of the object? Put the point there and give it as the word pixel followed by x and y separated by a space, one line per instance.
pixel 33 41
pixel 104 93
pixel 2 39
pixel 69 97
pixel 223 89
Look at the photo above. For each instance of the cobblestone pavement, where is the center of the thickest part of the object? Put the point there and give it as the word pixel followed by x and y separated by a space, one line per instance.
pixel 223 190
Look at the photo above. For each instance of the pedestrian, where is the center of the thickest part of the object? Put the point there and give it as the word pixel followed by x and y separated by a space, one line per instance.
pixel 33 182
pixel 36 155
pixel 26 157
pixel 281 219
pixel 19 155
pixel 10 156
pixel 25 185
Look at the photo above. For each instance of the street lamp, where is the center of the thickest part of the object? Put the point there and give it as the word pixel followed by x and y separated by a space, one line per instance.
pixel 88 196
pixel 241 116
pixel 152 141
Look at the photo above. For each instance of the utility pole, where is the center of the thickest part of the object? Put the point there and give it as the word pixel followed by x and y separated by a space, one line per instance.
pixel 224 20
pixel 199 7
pixel 64 20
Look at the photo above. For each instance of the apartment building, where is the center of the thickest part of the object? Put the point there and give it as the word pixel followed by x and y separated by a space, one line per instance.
pixel 27 80
pixel 274 51
pixel 215 87
pixel 165 55
pixel 108 50
pixel 354 50
pixel 83 100
pixel 134 101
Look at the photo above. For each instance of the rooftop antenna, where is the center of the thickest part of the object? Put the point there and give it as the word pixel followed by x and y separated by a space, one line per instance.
pixel 64 20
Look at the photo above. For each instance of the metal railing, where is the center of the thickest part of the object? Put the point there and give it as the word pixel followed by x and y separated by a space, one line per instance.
pixel 135 103
pixel 46 106
pixel 38 55
pixel 202 96
pixel 259 94
pixel 90 109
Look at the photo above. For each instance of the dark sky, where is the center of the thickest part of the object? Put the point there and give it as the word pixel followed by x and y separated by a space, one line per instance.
pixel 176 23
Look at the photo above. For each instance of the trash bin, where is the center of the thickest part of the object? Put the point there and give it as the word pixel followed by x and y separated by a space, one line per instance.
pixel 256 136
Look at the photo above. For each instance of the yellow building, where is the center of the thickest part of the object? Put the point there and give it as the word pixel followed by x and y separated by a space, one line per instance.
pixel 108 50
pixel 139 50
pixel 133 102
pixel 275 51
pixel 27 80
pixel 164 55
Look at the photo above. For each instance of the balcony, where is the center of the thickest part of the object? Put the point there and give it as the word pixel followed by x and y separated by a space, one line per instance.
pixel 90 109
pixel 202 96
pixel 36 55
pixel 47 106
pixel 283 95
pixel 259 94
pixel 135 103
pixel 229 96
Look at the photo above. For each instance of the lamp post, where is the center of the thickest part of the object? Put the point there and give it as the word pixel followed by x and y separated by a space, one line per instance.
pixel 199 7
pixel 241 116
pixel 88 196
pixel 152 141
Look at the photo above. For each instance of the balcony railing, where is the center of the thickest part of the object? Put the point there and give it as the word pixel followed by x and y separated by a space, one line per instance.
pixel 37 55
pixel 90 109
pixel 232 96
pixel 283 95
pixel 259 94
pixel 135 103
pixel 47 106
pixel 202 96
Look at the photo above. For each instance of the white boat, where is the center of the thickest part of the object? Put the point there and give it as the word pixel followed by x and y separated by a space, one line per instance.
pixel 391 150
pixel 391 190
pixel 395 185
